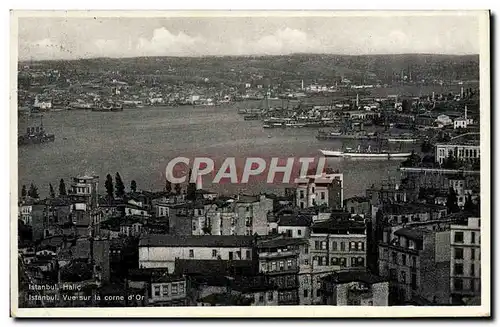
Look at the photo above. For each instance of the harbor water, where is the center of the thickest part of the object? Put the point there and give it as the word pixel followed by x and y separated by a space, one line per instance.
pixel 138 143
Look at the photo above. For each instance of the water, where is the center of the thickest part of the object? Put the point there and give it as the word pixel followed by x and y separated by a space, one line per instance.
pixel 138 143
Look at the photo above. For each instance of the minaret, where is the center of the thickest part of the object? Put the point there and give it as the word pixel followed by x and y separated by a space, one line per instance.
pixel 462 92
pixel 302 85
pixel 465 114
pixel 432 95
pixel 199 182
pixel 357 100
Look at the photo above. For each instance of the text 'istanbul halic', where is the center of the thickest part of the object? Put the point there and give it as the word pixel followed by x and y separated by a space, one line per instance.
pixel 234 170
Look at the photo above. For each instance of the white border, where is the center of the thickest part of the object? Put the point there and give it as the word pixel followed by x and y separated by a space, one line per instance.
pixel 281 311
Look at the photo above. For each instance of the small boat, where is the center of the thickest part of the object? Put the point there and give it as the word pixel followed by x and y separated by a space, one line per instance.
pixel 402 140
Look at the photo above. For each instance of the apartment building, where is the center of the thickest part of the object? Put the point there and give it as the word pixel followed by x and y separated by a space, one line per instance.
pixel 320 190
pixel 465 267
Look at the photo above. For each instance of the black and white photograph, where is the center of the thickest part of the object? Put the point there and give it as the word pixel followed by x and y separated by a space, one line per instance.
pixel 326 163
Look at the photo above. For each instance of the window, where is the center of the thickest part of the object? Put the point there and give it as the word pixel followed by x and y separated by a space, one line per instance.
pixel 458 283
pixel 301 194
pixel 413 281
pixel 335 261
pixel 247 209
pixel 403 277
pixel 459 253
pixel 361 246
pixel 249 254
pixel 334 246
pixel 199 212
pixel 394 257
pixel 403 256
pixel 322 195
pixel 306 261
pixel 316 245
pixel 323 245
pixel 261 297
pixel 472 269
pixel 472 254
pixel 459 237
pixel 306 250
pixel 270 296
pixel 289 264
pixel 181 288
pixel 157 290
pixel 306 293
pixel 459 269
pixel 230 255
pixel 473 238
pixel 312 189
pixel 342 246
pixel 214 253
pixel 174 289
pixel 343 262
pixel 353 262
pixel 282 265
pixel 191 253
pixel 352 246
pixel 299 232
pixel 165 290
pixel 361 261
pixel 273 266
pixel 238 253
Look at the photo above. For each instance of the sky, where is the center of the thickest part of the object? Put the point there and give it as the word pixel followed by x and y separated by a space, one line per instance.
pixel 44 38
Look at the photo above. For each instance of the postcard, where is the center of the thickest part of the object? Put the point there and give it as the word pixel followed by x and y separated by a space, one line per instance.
pixel 250 164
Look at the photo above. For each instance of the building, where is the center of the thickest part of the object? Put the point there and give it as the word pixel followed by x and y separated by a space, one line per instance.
pixel 168 291
pixel 251 214
pixel 359 288
pixel 460 123
pixel 294 225
pixel 465 267
pixel 464 147
pixel 336 243
pixel 161 251
pixel 417 262
pixel 279 260
pixel 321 190
pixel 444 120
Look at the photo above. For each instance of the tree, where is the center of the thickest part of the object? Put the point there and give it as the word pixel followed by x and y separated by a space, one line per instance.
pixel 62 188
pixel 168 186
pixel 452 201
pixel 178 189
pixel 33 191
pixel 24 192
pixel 108 184
pixel 133 186
pixel 51 191
pixel 119 186
pixel 191 188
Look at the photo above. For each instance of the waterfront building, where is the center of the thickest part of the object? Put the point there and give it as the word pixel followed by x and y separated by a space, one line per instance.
pixel 465 267
pixel 167 291
pixel 465 147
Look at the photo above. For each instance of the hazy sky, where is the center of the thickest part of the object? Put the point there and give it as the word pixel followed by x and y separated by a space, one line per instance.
pixel 70 38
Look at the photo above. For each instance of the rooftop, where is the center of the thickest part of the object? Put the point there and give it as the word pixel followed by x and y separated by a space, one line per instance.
pixel 343 277
pixel 295 220
pixel 416 234
pixel 196 241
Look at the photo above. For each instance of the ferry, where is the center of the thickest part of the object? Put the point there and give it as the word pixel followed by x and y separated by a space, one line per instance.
pixel 368 154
